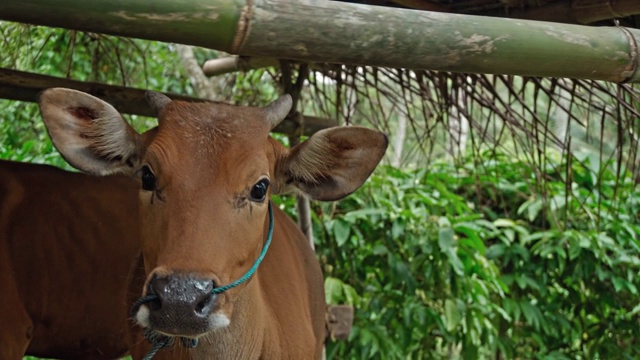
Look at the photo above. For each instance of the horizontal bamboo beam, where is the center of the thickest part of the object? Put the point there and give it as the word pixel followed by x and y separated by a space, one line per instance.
pixel 209 23
pixel 337 32
pixel 24 86
pixel 233 63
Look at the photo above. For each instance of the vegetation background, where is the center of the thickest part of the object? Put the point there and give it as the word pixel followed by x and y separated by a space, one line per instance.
pixel 518 240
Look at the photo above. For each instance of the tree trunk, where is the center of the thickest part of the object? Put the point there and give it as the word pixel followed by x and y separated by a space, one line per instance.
pixel 202 84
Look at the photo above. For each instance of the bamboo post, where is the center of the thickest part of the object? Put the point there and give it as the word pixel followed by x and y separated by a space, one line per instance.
pixel 294 88
pixel 303 206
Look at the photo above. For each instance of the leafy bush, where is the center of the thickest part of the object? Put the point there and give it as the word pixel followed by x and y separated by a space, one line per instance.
pixel 486 261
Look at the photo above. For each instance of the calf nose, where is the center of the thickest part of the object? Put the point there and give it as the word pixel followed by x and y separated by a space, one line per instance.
pixel 183 303
pixel 185 292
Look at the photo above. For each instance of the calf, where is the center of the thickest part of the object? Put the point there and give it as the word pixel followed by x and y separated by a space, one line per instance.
pixel 205 176
pixel 67 244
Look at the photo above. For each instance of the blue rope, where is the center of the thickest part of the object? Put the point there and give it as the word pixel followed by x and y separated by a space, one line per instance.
pixel 161 341
pixel 253 269
pixel 158 341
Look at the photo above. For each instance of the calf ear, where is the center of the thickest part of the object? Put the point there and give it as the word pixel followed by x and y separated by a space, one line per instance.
pixel 89 133
pixel 334 162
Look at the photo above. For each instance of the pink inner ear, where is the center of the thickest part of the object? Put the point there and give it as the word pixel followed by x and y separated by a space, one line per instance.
pixel 83 113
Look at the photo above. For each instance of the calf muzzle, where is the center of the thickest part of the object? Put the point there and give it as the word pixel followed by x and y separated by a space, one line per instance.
pixel 182 304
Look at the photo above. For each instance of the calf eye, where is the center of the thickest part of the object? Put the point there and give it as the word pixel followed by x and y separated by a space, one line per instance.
pixel 148 179
pixel 259 190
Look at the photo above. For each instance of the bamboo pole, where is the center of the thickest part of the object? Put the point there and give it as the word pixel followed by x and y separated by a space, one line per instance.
pixel 303 206
pixel 24 86
pixel 338 32
pixel 235 63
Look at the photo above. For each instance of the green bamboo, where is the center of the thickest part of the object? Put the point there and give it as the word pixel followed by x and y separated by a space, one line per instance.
pixel 337 32
pixel 24 86
pixel 372 35
pixel 209 23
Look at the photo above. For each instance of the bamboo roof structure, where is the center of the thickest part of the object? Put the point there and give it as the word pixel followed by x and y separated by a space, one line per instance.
pixel 520 65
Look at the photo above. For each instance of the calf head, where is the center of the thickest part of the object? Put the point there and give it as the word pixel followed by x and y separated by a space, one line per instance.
pixel 206 174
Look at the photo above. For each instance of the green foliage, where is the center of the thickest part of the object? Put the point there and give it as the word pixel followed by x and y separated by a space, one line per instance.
pixel 22 139
pixel 480 261
pixel 255 87
pixel 103 59
pixel 80 56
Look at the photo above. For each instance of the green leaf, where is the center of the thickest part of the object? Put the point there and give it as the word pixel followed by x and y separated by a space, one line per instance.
pixel 605 241
pixel 363 214
pixel 446 239
pixel 379 249
pixel 531 314
pixel 333 290
pixel 455 261
pixel 618 283
pixel 532 207
pixel 350 294
pixel 341 231
pixel 397 228
pixel 633 312
pixel 504 223
pixel 495 251
pixel 452 315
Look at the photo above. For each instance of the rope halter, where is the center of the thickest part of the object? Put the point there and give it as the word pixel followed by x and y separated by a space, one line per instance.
pixel 159 341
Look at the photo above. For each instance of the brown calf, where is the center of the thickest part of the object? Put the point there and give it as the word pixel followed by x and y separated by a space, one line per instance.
pixel 67 245
pixel 206 175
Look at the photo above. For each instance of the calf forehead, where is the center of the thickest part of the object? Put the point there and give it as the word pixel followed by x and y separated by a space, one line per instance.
pixel 211 126
pixel 211 138
pixel 213 120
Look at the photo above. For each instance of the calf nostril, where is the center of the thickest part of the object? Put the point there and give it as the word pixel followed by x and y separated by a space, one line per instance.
pixel 154 304
pixel 205 298
pixel 154 301
pixel 203 307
